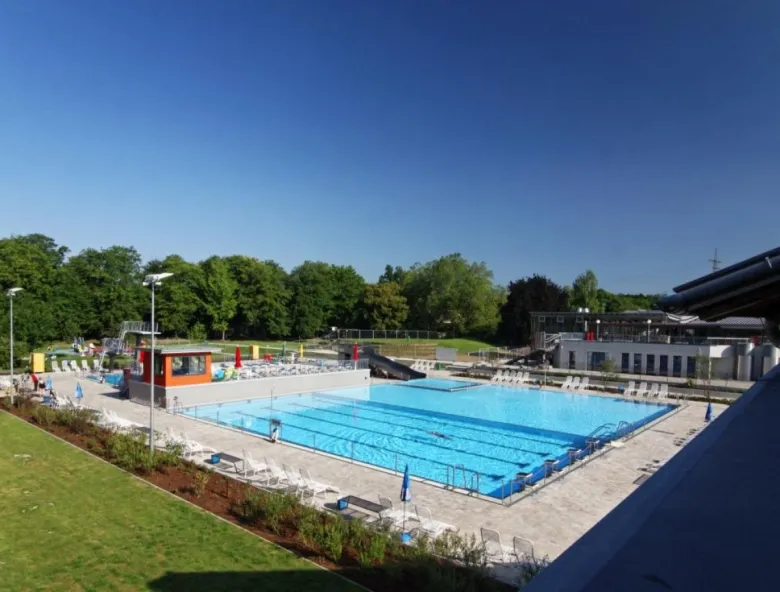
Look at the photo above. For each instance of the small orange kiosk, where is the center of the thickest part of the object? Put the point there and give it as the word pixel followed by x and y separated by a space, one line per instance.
pixel 177 366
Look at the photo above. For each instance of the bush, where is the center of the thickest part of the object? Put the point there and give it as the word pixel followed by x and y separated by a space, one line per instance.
pixel 530 569
pixel 78 421
pixel 202 479
pixel 197 333
pixel 330 537
pixel 129 452
pixel 44 416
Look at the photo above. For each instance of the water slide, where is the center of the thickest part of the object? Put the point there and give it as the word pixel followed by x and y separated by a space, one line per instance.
pixel 379 362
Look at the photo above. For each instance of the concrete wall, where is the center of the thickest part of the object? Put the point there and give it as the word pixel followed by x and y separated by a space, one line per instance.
pixel 235 390
pixel 722 356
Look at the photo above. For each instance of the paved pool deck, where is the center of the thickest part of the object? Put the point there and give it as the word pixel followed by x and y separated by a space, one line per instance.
pixel 553 517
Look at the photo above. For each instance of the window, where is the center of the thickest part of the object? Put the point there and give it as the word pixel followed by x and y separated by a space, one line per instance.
pixel 158 365
pixel 188 365
pixel 625 363
pixel 559 320
pixel 572 361
pixel 664 369
pixel 690 370
pixel 637 363
pixel 677 366
pixel 650 364
pixel 595 359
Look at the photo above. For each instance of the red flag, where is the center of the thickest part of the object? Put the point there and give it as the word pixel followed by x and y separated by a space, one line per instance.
pixel 238 357
pixel 355 352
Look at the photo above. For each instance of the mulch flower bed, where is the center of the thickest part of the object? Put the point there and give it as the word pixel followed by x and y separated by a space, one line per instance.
pixel 399 567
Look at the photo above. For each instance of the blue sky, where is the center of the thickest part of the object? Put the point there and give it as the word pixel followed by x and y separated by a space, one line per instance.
pixel 628 137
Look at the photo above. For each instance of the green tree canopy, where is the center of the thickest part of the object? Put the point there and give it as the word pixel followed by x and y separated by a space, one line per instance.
pixel 177 299
pixel 217 291
pixel 455 295
pixel 384 306
pixel 312 295
pixel 527 295
pixel 262 297
pixel 584 291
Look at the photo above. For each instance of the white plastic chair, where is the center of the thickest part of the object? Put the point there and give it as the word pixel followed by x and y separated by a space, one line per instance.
pixel 250 466
pixel 630 388
pixel 663 392
pixel 497 376
pixel 96 365
pixel 575 383
pixel 84 366
pixel 584 384
pixel 390 514
pixel 55 366
pixel 191 447
pixel 523 549
pixel 428 525
pixel 642 389
pixel 653 390
pixel 315 487
pixel 567 383
pixel 494 550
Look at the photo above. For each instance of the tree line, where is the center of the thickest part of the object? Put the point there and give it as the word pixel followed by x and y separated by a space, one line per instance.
pixel 90 293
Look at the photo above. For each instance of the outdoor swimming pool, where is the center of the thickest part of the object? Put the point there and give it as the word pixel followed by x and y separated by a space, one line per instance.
pixel 479 438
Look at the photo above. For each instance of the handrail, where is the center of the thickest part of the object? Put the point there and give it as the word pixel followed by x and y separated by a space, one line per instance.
pixel 598 429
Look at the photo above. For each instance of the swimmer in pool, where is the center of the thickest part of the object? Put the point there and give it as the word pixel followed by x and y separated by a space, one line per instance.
pixel 438 435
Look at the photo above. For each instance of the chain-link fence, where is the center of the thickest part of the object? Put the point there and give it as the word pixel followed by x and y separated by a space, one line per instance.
pixel 373 335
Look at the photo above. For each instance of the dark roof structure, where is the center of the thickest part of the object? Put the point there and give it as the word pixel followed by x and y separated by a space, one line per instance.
pixel 750 288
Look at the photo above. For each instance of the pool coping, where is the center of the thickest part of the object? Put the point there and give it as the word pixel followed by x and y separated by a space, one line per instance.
pixel 507 501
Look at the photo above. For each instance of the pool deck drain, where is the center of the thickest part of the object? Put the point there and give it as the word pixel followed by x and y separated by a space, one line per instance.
pixel 552 517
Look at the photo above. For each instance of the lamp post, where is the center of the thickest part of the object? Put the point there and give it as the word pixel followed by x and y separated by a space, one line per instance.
pixel 598 327
pixel 649 322
pixel 11 293
pixel 152 280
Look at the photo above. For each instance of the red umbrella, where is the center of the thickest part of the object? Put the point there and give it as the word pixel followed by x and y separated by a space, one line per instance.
pixel 238 357
pixel 355 353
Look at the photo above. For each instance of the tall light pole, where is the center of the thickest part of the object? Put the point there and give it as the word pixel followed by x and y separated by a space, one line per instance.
pixel 649 322
pixel 11 293
pixel 152 280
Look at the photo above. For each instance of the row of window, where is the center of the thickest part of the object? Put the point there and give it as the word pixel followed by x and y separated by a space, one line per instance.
pixel 182 365
pixel 632 363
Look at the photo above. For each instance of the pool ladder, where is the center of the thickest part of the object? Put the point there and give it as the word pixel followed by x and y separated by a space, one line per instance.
pixel 470 485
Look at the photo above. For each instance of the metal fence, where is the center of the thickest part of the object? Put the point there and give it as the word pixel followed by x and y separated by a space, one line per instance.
pixel 372 334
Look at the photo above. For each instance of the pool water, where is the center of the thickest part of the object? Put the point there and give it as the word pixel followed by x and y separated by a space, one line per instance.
pixel 478 438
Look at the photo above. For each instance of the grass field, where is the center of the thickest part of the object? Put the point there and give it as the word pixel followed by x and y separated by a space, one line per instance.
pixel 70 523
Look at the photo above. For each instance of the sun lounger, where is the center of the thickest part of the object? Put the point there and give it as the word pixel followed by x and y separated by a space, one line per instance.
pixel 497 376
pixel 575 383
pixel 653 390
pixel 55 367
pixel 663 392
pixel 250 466
pixel 567 383
pixel 84 366
pixel 428 525
pixel 642 389
pixel 390 514
pixel 315 487
pixel 294 479
pixel 191 447
pixel 630 389
pixel 523 549
pixel 494 550
pixel 96 365
pixel 583 384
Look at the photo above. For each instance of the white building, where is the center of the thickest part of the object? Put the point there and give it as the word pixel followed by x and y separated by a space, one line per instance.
pixel 654 343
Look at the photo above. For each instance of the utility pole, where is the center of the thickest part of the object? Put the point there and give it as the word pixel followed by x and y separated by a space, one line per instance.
pixel 715 261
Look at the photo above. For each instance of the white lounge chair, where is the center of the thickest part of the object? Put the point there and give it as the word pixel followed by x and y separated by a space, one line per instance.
pixel 191 447
pixel 96 365
pixel 526 378
pixel 250 466
pixel 575 383
pixel 523 549
pixel 294 479
pixel 84 366
pixel 315 487
pixel 428 525
pixel 275 473
pixel 75 365
pixel 583 384
pixel 55 367
pixel 663 392
pixel 653 390
pixel 66 367
pixel 497 376
pixel 641 389
pixel 112 421
pixel 630 389
pixel 390 514
pixel 69 402
pixel 494 550
pixel 567 383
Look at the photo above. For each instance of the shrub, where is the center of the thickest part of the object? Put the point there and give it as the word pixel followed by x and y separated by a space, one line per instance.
pixel 129 452
pixel 44 416
pixel 530 569
pixel 78 421
pixel 331 537
pixel 309 521
pixel 202 479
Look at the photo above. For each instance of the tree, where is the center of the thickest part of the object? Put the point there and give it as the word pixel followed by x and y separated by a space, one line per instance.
pixel 610 302
pixel 584 291
pixel 527 295
pixel 347 289
pixel 453 294
pixel 608 369
pixel 312 294
pixel 384 306
pixel 177 301
pixel 393 275
pixel 218 294
pixel 111 278
pixel 262 297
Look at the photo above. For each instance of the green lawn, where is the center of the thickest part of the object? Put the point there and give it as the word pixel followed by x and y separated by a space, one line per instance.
pixel 70 522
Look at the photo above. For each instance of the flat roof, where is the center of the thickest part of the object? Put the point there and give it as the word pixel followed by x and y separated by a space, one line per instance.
pixel 172 349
